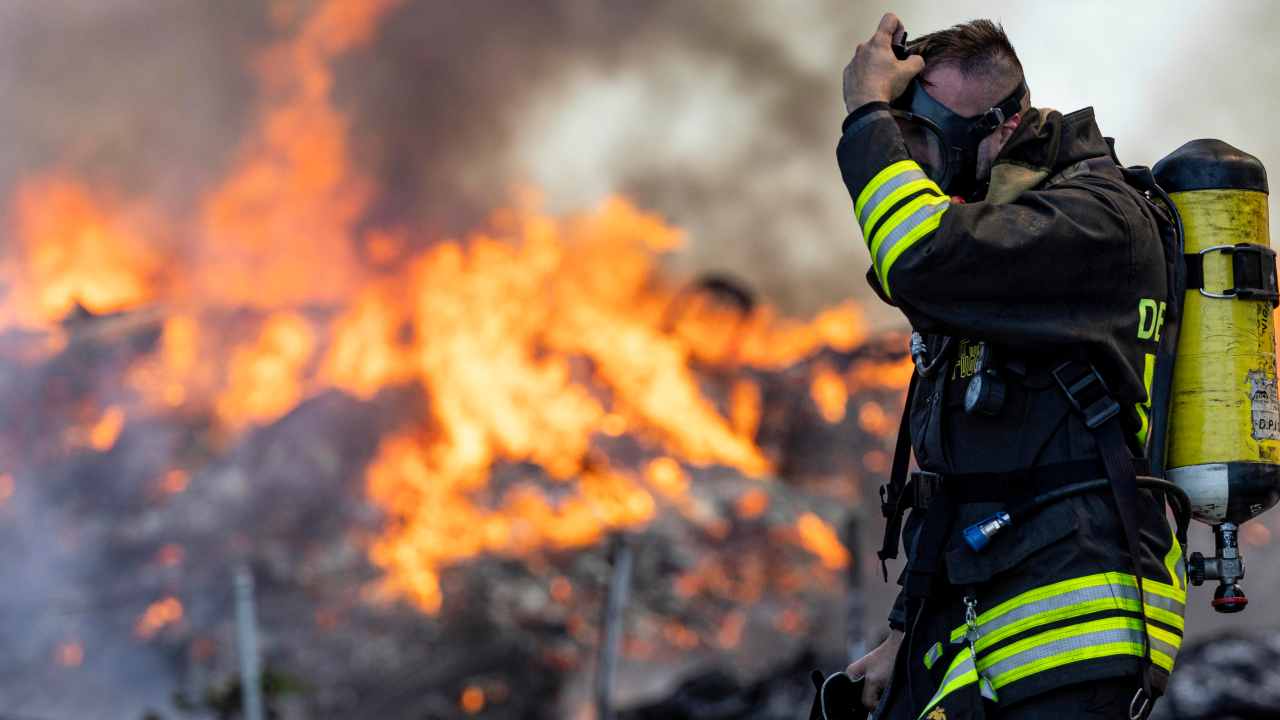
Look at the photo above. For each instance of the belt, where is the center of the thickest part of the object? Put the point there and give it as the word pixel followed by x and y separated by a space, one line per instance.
pixel 1002 487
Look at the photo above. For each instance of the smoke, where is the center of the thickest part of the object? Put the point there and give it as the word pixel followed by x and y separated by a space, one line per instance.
pixel 722 117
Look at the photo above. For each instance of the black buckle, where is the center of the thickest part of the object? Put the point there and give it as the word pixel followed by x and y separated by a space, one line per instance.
pixel 889 497
pixel 1088 394
pixel 1253 273
pixel 924 486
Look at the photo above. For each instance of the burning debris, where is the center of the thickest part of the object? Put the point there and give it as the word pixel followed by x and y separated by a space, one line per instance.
pixel 419 445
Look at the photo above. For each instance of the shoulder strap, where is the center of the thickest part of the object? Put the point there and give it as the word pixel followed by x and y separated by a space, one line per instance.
pixel 893 493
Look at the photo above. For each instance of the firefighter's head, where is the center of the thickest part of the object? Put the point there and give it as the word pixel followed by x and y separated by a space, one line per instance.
pixel 948 114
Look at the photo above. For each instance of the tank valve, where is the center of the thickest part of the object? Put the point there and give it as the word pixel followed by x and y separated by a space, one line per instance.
pixel 1227 567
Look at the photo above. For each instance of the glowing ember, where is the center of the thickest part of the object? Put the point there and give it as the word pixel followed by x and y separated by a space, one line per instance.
pixel 472 700
pixel 819 538
pixel 752 504
pixel 103 434
pixel 69 654
pixel 6 487
pixel 170 555
pixel 561 590
pixel 873 419
pixel 174 481
pixel 829 393
pixel 157 616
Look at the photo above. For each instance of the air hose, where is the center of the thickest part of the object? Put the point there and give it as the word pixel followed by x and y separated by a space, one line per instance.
pixel 978 535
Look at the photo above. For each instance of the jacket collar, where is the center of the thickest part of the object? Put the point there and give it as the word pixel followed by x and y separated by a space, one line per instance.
pixel 1046 144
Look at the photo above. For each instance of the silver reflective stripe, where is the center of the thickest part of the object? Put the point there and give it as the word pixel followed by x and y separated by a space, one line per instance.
pixel 1083 595
pixel 932 656
pixel 1165 603
pixel 907 224
pixel 965 666
pixel 1058 602
pixel 1065 645
pixel 879 195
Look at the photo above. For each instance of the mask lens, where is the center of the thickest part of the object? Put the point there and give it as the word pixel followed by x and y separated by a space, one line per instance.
pixel 925 146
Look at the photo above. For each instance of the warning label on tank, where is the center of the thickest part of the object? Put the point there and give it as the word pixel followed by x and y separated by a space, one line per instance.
pixel 1265 405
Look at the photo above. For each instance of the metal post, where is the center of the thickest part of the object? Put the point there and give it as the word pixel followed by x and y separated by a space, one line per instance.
pixel 855 599
pixel 611 625
pixel 247 645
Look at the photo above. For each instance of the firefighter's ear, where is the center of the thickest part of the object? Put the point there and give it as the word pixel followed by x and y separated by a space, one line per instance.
pixel 1007 127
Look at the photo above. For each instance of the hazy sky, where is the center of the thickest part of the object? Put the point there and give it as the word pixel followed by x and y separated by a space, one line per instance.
pixel 771 206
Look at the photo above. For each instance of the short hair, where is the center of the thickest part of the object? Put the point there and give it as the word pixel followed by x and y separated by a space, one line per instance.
pixel 979 49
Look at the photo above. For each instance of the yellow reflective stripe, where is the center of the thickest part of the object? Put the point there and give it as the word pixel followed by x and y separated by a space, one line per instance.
pixel 897 218
pixel 1049 616
pixel 931 657
pixel 1081 583
pixel 880 179
pixel 1173 562
pixel 956 677
pixel 1071 656
pixel 1106 628
pixel 1144 408
pixel 893 197
pixel 928 225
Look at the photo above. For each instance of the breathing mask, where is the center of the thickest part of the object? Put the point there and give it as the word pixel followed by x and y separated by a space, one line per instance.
pixel 944 143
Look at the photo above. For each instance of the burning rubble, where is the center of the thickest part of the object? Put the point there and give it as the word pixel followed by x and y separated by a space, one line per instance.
pixel 422 446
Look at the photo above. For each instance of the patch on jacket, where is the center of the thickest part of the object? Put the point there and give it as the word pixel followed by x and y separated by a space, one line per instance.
pixel 937 714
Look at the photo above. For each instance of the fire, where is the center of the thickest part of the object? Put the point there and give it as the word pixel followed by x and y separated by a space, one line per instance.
pixel 158 615
pixel 6 487
pixel 265 380
pixel 829 393
pixel 72 249
pixel 752 504
pixel 873 419
pixel 533 339
pixel 103 434
pixel 472 700
pixel 819 538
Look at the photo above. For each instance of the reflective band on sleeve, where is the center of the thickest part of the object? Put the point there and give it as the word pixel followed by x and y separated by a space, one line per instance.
pixel 884 176
pixel 932 656
pixel 896 188
pixel 918 218
pixel 959 674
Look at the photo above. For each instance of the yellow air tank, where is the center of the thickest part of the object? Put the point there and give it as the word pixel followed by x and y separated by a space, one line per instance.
pixel 1224 424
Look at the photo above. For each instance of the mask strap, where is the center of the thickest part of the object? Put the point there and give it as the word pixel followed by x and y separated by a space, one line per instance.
pixel 1005 109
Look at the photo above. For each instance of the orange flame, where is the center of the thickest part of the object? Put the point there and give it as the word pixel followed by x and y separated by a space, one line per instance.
pixel 158 615
pixel 72 250
pixel 819 538
pixel 532 340
pixel 829 393
pixel 6 487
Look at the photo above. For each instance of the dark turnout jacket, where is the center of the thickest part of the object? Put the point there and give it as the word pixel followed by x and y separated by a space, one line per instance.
pixel 1063 260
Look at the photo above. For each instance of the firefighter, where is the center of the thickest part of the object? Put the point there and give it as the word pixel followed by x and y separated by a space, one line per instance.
pixel 1037 275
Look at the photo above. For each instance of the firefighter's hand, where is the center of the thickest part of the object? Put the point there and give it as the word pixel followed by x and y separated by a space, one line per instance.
pixel 875 74
pixel 877 667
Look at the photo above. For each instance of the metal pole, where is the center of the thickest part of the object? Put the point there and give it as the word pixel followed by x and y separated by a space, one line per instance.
pixel 855 600
pixel 611 625
pixel 247 645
